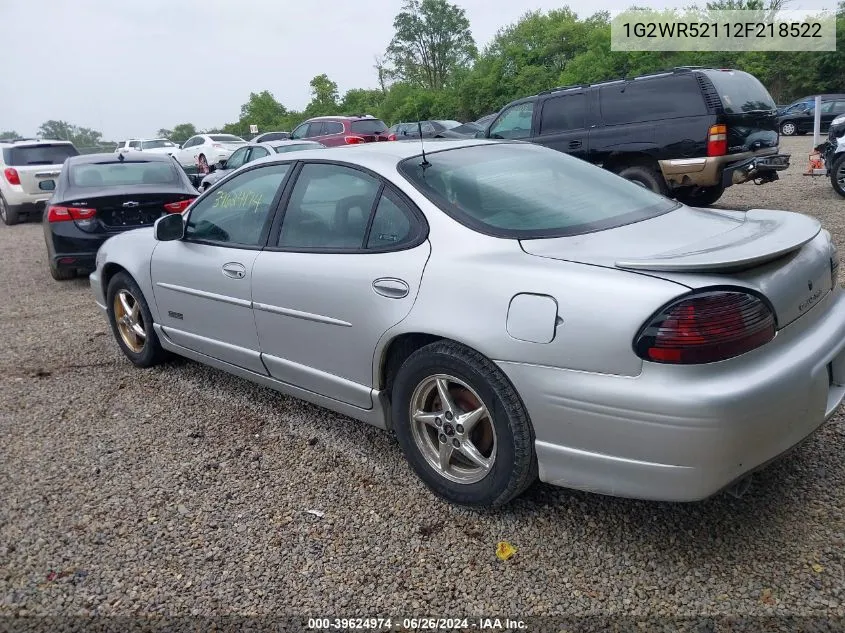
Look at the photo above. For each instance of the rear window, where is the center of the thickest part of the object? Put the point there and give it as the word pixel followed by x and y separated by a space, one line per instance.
pixel 123 173
pixel 156 144
pixel 368 126
pixel 654 99
pixel 525 191
pixel 226 138
pixel 38 155
pixel 740 92
pixel 449 124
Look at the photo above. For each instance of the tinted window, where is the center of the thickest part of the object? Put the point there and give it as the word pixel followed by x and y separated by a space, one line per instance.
pixel 296 147
pixel 38 155
pixel 237 159
pixel 300 132
pixel 449 124
pixel 226 138
pixel 192 141
pixel 274 136
pixel 237 210
pixel 651 100
pixel 134 144
pixel 391 223
pixel 117 173
pixel 515 122
pixel 258 152
pixel 839 107
pixel 562 114
pixel 740 92
pixel 156 144
pixel 329 208
pixel 368 126
pixel 315 128
pixel 522 191
pixel 332 127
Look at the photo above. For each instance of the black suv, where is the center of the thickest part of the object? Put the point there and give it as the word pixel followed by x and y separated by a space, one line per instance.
pixel 687 133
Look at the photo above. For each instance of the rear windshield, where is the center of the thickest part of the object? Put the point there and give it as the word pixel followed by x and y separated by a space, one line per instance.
pixel 449 124
pixel 368 126
pixel 119 174
pixel 274 136
pixel 156 144
pixel 740 92
pixel 38 155
pixel 527 191
pixel 281 149
pixel 226 138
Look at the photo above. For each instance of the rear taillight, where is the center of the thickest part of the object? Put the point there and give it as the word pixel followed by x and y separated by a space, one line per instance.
pixel 353 140
pixel 391 137
pixel 178 207
pixel 705 328
pixel 717 140
pixel 66 214
pixel 12 176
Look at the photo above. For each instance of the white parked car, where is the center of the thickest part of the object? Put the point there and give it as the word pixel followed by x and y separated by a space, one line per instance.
pixel 154 146
pixel 29 169
pixel 203 150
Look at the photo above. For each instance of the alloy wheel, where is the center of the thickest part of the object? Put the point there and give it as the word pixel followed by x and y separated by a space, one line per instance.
pixel 453 429
pixel 129 320
pixel 788 129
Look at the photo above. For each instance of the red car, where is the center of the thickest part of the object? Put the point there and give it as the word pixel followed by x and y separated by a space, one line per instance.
pixel 342 130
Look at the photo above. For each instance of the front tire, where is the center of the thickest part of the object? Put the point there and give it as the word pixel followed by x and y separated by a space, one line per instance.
pixel 788 128
pixel 837 175
pixel 462 426
pixel 7 214
pixel 132 323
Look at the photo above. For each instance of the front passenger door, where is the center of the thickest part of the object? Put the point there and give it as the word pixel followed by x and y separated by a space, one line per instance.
pixel 514 123
pixel 202 283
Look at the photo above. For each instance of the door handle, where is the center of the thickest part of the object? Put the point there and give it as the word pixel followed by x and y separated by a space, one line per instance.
pixel 234 270
pixel 391 288
pixel 574 144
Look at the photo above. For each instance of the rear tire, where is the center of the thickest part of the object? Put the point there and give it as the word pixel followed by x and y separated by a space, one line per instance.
pixel 699 196
pixel 132 323
pixel 7 214
pixel 61 274
pixel 645 175
pixel 494 460
pixel 788 128
pixel 837 175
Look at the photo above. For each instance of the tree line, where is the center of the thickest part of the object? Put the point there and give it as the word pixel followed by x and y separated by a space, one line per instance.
pixel 432 69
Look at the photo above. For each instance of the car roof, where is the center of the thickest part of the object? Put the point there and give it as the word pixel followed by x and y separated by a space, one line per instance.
pixel 137 157
pixel 29 142
pixel 345 117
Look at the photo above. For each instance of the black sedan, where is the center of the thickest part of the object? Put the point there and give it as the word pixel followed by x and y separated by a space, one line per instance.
pixel 800 118
pixel 100 195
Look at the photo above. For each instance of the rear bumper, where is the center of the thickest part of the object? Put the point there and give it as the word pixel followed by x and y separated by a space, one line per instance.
pixel 677 433
pixel 68 247
pixel 759 167
pixel 29 208
pixel 710 171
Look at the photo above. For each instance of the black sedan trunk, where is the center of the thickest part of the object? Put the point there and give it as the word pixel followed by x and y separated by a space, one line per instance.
pixel 128 207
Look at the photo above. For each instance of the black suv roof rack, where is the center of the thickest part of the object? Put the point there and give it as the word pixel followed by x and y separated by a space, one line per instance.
pixel 656 73
pixel 559 88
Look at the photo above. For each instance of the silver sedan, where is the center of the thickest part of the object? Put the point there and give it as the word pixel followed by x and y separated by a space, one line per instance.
pixel 510 312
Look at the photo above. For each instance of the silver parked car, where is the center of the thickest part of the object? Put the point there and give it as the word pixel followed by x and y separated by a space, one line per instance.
pixel 508 310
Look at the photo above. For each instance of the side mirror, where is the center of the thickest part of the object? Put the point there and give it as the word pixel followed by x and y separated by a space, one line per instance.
pixel 169 227
pixel 220 165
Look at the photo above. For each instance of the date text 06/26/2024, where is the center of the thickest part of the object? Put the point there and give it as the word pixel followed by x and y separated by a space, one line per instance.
pixel 416 624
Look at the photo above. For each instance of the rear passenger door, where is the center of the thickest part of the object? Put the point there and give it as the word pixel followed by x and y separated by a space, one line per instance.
pixel 342 266
pixel 563 124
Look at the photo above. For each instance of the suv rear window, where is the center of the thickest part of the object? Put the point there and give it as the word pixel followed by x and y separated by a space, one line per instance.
pixel 368 126
pixel 123 173
pixel 524 191
pixel 38 154
pixel 653 99
pixel 740 92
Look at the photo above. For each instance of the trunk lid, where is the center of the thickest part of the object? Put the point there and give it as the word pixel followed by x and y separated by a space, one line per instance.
pixel 779 254
pixel 124 211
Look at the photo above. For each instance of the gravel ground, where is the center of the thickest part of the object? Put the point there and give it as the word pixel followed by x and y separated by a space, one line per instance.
pixel 181 490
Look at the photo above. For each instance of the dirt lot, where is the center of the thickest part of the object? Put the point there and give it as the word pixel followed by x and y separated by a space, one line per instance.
pixel 181 490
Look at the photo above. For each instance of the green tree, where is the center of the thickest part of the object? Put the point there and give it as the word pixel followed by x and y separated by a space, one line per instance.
pixel 181 133
pixel 5 136
pixel 263 110
pixel 431 41
pixel 362 101
pixel 164 133
pixel 62 130
pixel 324 97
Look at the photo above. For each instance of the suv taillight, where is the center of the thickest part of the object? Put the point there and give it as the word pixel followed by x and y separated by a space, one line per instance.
pixel 65 214
pixel 391 137
pixel 12 176
pixel 353 140
pixel 717 140
pixel 706 327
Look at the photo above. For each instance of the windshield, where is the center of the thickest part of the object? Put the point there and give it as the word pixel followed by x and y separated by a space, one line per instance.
pixel 226 138
pixel 120 174
pixel 740 92
pixel 368 126
pixel 526 191
pixel 42 154
pixel 295 147
pixel 156 144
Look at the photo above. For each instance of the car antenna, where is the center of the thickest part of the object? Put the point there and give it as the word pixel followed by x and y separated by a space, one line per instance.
pixel 424 162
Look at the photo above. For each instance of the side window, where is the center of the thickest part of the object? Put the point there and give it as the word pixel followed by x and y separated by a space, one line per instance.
pixel 332 127
pixel 300 132
pixel 237 159
pixel 391 224
pixel 329 208
pixel 515 122
pixel 651 100
pixel 562 114
pixel 839 107
pixel 258 152
pixel 134 144
pixel 315 128
pixel 191 142
pixel 427 128
pixel 827 107
pixel 235 214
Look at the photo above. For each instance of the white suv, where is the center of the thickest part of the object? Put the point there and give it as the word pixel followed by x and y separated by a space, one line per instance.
pixel 152 145
pixel 29 169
